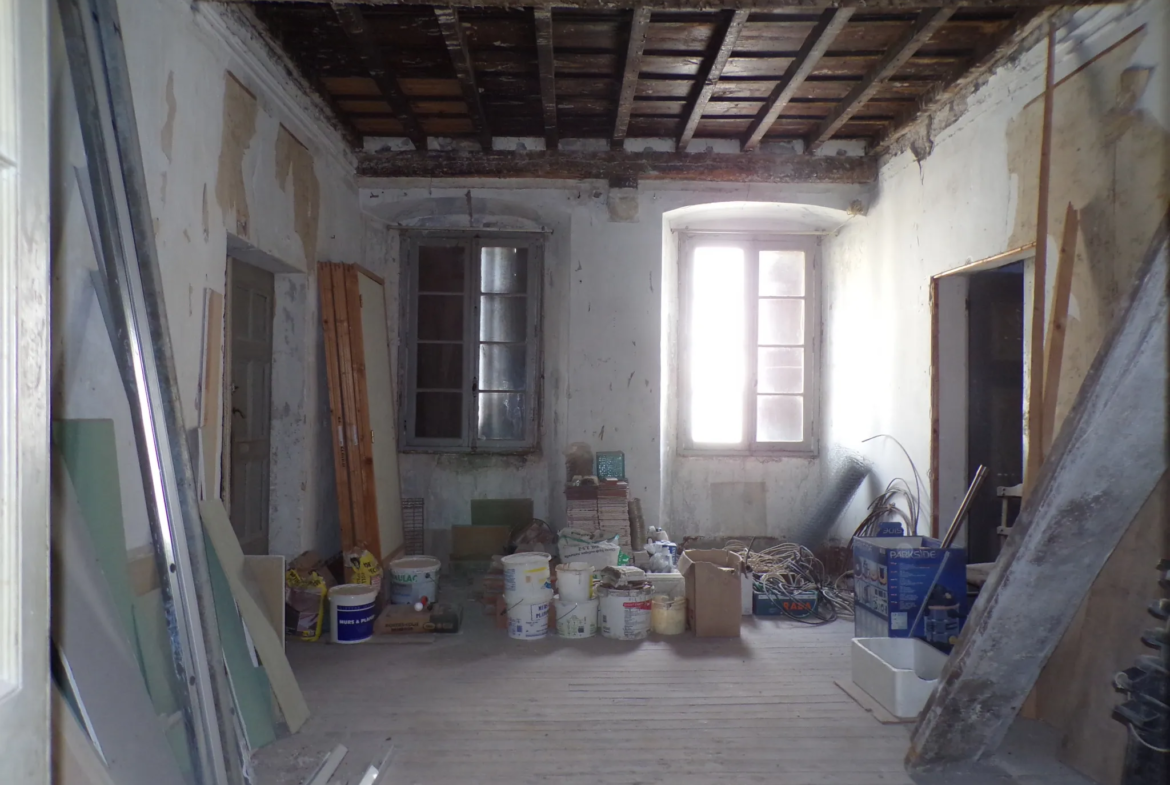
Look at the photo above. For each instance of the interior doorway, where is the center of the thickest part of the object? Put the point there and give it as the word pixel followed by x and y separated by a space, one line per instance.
pixel 251 293
pixel 978 386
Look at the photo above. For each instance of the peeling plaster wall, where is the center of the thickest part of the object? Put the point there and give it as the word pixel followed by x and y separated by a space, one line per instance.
pixel 231 154
pixel 974 196
pixel 606 304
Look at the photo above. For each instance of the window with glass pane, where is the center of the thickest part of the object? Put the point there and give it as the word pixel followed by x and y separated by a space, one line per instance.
pixel 474 345
pixel 746 343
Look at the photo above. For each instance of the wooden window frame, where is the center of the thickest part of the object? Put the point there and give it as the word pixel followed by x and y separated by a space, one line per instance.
pixel 753 243
pixel 473 242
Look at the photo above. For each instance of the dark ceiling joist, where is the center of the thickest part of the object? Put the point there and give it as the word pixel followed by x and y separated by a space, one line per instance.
pixel 548 83
pixel 354 23
pixel 710 73
pixel 1024 26
pixel 831 23
pixel 927 24
pixel 707 5
pixel 449 23
pixel 639 25
pixel 621 165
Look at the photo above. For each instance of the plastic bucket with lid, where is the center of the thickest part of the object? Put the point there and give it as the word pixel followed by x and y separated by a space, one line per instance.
pixel 624 613
pixel 576 618
pixel 575 581
pixel 414 579
pixel 668 615
pixel 526 578
pixel 351 609
pixel 528 621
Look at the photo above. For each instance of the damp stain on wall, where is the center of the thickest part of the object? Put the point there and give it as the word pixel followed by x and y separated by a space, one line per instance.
pixel 167 136
pixel 295 163
pixel 239 126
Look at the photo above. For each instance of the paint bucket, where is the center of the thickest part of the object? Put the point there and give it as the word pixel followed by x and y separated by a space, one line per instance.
pixel 575 581
pixel 625 613
pixel 414 579
pixel 528 621
pixel 576 618
pixel 668 616
pixel 351 610
pixel 526 578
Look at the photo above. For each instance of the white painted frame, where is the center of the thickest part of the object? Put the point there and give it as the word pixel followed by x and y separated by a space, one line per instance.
pixel 24 386
pixel 753 243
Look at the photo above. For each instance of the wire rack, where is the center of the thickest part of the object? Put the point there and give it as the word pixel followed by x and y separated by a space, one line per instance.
pixel 413 519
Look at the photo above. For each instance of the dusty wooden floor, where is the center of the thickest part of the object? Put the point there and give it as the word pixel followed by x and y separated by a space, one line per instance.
pixel 478 707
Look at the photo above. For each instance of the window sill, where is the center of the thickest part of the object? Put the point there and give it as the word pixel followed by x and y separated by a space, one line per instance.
pixel 522 452
pixel 765 455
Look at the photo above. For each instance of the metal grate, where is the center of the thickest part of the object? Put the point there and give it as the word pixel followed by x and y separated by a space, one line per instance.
pixel 412 526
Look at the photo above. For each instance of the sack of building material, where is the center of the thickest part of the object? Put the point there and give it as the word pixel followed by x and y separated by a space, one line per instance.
pixel 578 545
pixel 362 567
pixel 306 585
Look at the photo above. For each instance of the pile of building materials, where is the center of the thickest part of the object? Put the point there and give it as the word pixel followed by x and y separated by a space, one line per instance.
pixel 613 511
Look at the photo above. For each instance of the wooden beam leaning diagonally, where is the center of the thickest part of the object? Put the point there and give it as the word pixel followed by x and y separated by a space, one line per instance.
pixel 367 528
pixel 452 29
pixel 343 320
pixel 1057 325
pixel 831 23
pixel 710 73
pixel 339 439
pixel 1108 458
pixel 925 26
pixel 354 23
pixel 542 18
pixel 639 26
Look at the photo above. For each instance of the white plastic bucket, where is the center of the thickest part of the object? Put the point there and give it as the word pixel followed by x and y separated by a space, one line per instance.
pixel 526 578
pixel 414 579
pixel 576 618
pixel 625 613
pixel 668 616
pixel 575 581
pixel 528 621
pixel 351 610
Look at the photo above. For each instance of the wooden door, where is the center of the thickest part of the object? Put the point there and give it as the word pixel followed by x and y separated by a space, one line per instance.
pixel 250 303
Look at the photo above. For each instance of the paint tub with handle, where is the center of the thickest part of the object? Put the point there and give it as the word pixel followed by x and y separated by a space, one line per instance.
pixel 414 579
pixel 575 581
pixel 351 609
pixel 575 618
pixel 528 621
pixel 625 613
pixel 526 578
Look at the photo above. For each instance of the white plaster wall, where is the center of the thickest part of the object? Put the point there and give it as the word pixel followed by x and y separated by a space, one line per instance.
pixel 971 199
pixel 179 58
pixel 606 306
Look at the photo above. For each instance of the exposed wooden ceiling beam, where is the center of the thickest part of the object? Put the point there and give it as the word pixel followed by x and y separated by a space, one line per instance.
pixel 464 71
pixel 639 25
pixel 548 83
pixel 1024 26
pixel 831 23
pixel 353 22
pixel 621 165
pixel 928 22
pixel 710 73
pixel 708 5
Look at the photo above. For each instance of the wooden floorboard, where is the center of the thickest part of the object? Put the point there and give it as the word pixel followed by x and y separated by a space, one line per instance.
pixel 477 707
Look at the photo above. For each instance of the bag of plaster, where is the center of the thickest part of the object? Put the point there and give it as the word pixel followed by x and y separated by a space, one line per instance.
pixel 599 552
pixel 362 567
pixel 306 587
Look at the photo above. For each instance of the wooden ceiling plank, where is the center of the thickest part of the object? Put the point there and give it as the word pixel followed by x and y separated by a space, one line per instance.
pixel 354 23
pixel 1023 25
pixel 566 165
pixel 764 6
pixel 712 70
pixel 639 25
pixel 928 22
pixel 548 81
pixel 452 29
pixel 830 24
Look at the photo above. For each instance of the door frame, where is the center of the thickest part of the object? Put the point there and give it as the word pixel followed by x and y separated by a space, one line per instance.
pixel 1025 254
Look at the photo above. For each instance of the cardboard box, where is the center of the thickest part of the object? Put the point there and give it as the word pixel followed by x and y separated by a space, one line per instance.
pixel 909 587
pixel 714 592
pixel 405 620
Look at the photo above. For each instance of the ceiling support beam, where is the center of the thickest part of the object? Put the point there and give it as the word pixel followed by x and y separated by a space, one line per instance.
pixel 465 71
pixel 710 73
pixel 763 6
pixel 1108 458
pixel 639 25
pixel 354 23
pixel 621 165
pixel 548 83
pixel 1024 26
pixel 927 24
pixel 831 23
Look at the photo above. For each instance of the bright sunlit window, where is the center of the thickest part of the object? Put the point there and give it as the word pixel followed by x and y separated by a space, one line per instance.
pixel 747 364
